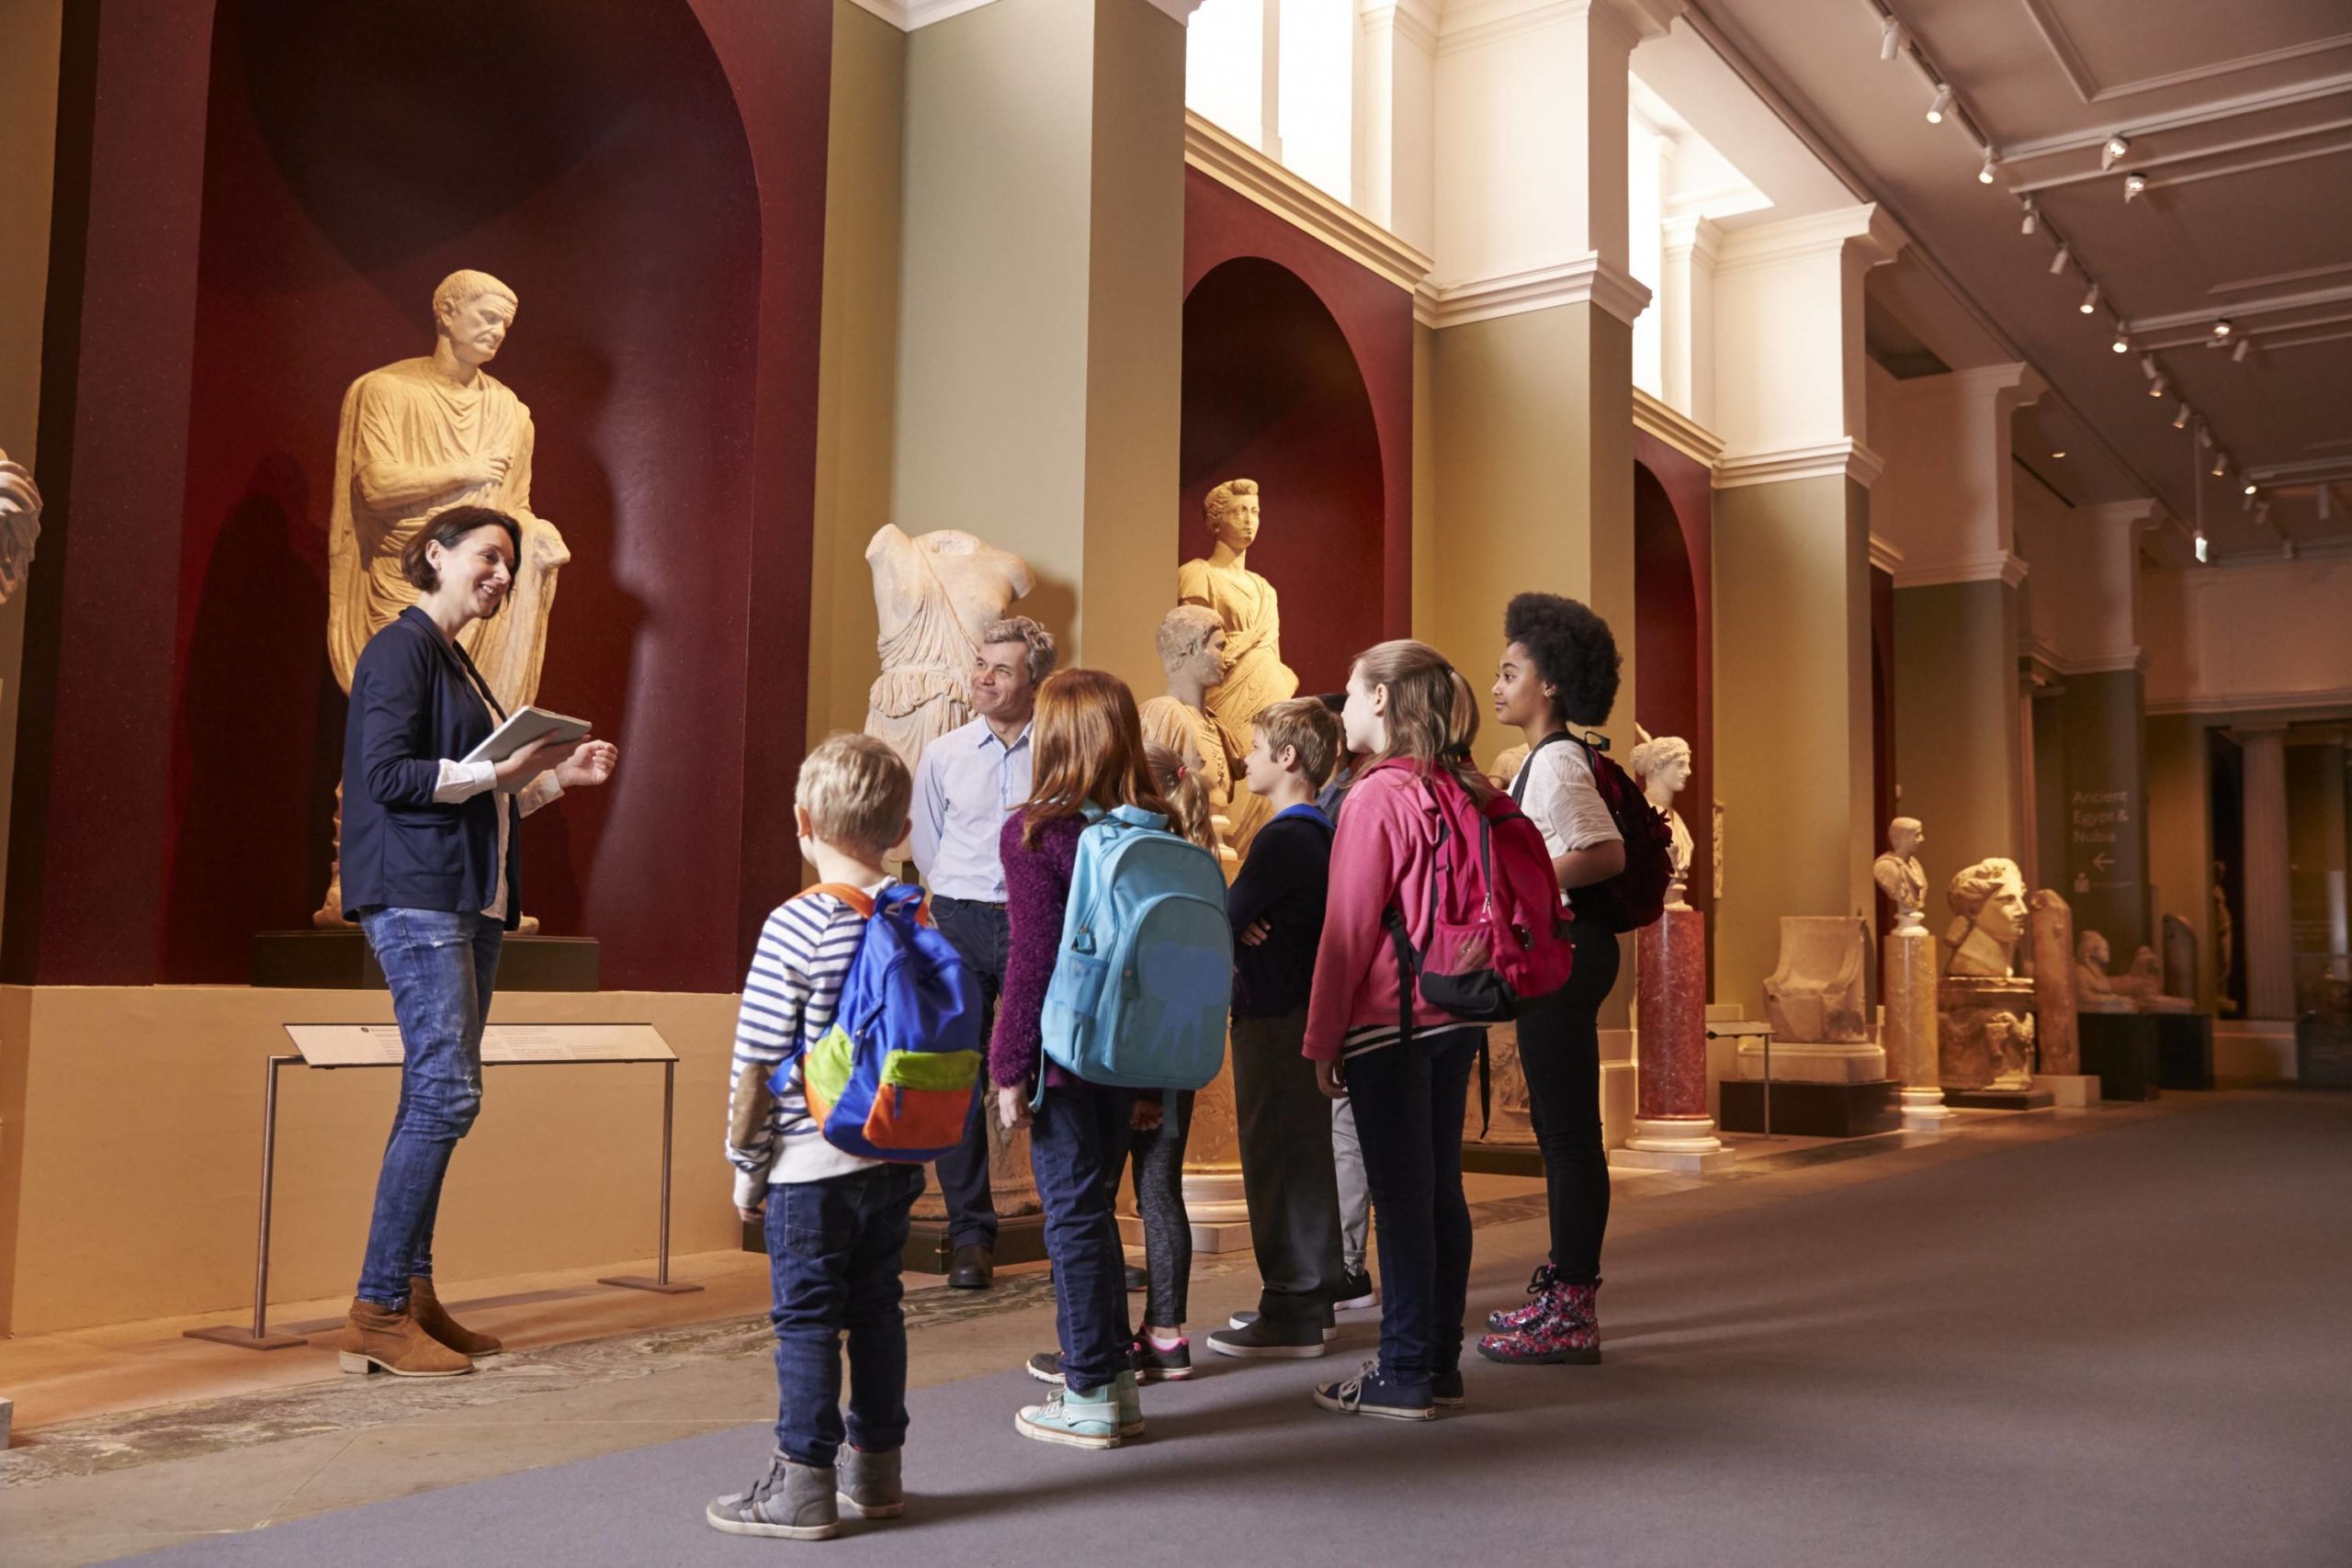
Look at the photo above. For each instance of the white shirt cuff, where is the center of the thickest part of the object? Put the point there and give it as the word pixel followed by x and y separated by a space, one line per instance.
pixel 463 781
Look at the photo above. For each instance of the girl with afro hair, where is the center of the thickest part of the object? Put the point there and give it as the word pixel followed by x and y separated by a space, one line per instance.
pixel 1559 667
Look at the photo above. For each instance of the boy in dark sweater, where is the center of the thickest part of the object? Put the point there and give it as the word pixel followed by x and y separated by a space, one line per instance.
pixel 1276 905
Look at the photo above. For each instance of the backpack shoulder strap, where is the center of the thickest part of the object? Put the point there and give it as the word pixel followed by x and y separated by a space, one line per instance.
pixel 1527 769
pixel 855 897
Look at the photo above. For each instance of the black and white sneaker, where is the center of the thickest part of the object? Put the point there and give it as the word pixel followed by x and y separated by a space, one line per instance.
pixel 1244 1319
pixel 1259 1339
pixel 1369 1393
pixel 1046 1366
pixel 1356 1293
pixel 1153 1364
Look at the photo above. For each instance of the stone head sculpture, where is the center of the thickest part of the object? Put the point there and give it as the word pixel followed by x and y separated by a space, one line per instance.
pixel 2091 952
pixel 1903 837
pixel 1663 766
pixel 1190 643
pixel 1232 511
pixel 472 311
pixel 20 525
pixel 1989 902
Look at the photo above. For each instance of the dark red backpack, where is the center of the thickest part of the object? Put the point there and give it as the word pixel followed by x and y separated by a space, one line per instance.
pixel 1635 895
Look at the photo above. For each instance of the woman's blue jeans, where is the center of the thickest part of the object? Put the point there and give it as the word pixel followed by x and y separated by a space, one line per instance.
pixel 441 968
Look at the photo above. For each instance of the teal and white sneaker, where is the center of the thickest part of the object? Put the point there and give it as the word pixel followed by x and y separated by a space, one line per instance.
pixel 1126 1388
pixel 1077 1418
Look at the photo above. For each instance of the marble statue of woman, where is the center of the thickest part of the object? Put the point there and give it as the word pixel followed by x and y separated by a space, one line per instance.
pixel 1255 676
pixel 20 525
pixel 1989 909
pixel 1192 650
pixel 934 594
pixel 1900 875
pixel 1663 767
pixel 417 437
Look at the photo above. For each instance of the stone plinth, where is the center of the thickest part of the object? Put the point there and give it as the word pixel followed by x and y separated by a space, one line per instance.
pixel 2122 1049
pixel 2057 1039
pixel 1909 1033
pixel 1671 1128
pixel 1813 1061
pixel 1968 1006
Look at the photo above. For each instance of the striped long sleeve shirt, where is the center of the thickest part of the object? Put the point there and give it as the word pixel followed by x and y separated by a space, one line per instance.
pixel 789 997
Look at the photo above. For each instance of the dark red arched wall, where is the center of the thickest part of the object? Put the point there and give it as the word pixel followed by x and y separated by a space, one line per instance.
pixel 649 178
pixel 1298 374
pixel 1674 631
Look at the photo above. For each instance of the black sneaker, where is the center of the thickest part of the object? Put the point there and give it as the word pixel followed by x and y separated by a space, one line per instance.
pixel 1356 1294
pixel 1137 1280
pixel 1153 1364
pixel 1258 1339
pixel 1244 1319
pixel 1046 1366
pixel 1446 1392
pixel 1369 1393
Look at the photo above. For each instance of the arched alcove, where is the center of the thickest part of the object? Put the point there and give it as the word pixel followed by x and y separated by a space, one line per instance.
pixel 1670 675
pixel 594 158
pixel 1273 392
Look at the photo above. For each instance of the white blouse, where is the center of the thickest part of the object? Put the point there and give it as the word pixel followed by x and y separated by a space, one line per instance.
pixel 1555 789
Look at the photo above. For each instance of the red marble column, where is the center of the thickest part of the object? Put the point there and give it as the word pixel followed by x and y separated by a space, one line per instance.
pixel 1671 1127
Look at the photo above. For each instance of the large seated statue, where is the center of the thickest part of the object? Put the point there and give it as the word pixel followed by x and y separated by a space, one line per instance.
pixel 1816 994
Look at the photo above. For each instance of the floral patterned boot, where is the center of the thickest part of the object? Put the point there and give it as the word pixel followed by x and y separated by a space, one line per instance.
pixel 1511 1320
pixel 1569 1332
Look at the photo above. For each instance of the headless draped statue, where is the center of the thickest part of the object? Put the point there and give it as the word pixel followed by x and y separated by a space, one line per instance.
pixel 933 595
pixel 20 525
pixel 417 437
pixel 1244 603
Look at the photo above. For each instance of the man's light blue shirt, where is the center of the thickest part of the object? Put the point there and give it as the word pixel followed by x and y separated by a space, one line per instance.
pixel 968 783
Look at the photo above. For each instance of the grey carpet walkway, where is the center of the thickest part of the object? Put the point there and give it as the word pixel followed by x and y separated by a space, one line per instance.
pixel 2127 1348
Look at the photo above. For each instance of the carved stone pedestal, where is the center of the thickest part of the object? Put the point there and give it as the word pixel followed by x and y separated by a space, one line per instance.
pixel 1984 1032
pixel 1671 1128
pixel 1909 1032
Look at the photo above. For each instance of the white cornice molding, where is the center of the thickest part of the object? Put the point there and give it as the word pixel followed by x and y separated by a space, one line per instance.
pixel 907 15
pixel 1235 164
pixel 2253 701
pixel 1585 280
pixel 1844 458
pixel 1415 21
pixel 1692 231
pixel 1677 429
pixel 1476 24
pixel 2113 662
pixel 1873 236
pixel 2006 567
pixel 1885 554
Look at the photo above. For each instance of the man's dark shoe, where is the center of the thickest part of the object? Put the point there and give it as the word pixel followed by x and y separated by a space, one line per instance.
pixel 1138 1279
pixel 1259 1339
pixel 972 1267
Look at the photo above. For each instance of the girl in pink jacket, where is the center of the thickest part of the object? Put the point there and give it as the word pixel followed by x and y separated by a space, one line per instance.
pixel 1406 706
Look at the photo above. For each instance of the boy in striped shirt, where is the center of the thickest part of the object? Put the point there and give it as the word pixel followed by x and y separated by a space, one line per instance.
pixel 836 1224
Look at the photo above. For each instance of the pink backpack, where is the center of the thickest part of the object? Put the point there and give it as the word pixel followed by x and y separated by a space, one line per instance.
pixel 1494 882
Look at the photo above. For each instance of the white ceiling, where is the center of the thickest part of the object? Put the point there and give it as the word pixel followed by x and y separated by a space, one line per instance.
pixel 2240 118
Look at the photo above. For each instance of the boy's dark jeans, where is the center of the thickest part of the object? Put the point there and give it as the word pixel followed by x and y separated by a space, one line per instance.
pixel 1287 1168
pixel 1078 1141
pixel 1408 1099
pixel 833 1250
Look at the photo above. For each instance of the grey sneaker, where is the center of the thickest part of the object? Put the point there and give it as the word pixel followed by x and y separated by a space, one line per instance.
pixel 869 1484
pixel 791 1501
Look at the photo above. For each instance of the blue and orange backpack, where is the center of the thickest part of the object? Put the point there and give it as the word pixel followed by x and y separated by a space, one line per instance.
pixel 898 1077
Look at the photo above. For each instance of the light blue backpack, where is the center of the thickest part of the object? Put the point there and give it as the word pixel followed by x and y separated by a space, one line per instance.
pixel 1145 977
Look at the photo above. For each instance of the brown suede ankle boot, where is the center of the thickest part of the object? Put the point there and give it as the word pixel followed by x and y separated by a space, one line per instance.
pixel 434 1319
pixel 377 1339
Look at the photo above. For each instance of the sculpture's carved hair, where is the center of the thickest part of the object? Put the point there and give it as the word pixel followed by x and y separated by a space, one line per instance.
pixel 1575 654
pixel 1022 629
pixel 445 529
pixel 1656 756
pixel 465 286
pixel 1184 631
pixel 856 791
pixel 1901 825
pixel 1972 887
pixel 1309 726
pixel 1219 501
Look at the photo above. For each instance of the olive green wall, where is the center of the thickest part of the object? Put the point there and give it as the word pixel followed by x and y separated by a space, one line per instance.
pixel 1792 716
pixel 856 377
pixel 1957 732
pixel 1040 333
pixel 2105 805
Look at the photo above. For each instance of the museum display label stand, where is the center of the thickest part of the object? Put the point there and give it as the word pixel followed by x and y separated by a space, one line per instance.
pixel 328 1047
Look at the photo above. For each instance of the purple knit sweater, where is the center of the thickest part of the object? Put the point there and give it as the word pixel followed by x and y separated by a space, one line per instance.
pixel 1037 894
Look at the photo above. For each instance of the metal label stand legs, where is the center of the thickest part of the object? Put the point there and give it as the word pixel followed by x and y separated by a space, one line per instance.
pixel 660 1281
pixel 259 1337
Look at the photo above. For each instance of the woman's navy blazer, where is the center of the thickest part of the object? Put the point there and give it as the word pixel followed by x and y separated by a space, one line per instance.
pixel 412 704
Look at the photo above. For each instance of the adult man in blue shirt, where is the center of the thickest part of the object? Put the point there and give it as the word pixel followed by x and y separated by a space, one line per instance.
pixel 968 783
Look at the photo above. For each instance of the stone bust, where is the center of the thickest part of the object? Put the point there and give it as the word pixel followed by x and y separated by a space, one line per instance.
pixel 1900 875
pixel 20 525
pixel 1988 907
pixel 1663 768
pixel 1190 643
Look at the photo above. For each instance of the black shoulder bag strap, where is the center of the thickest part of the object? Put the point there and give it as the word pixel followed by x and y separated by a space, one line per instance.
pixel 1526 769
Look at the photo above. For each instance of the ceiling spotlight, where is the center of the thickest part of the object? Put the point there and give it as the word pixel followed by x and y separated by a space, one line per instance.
pixel 2090 303
pixel 2148 366
pixel 1890 43
pixel 2201 556
pixel 2221 328
pixel 2117 147
pixel 2247 504
pixel 2122 343
pixel 2032 218
pixel 2134 185
pixel 2237 354
pixel 2221 463
pixel 2058 262
pixel 1984 174
pixel 2252 488
pixel 2262 516
pixel 2060 453
pixel 2156 387
pixel 2180 419
pixel 1943 101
